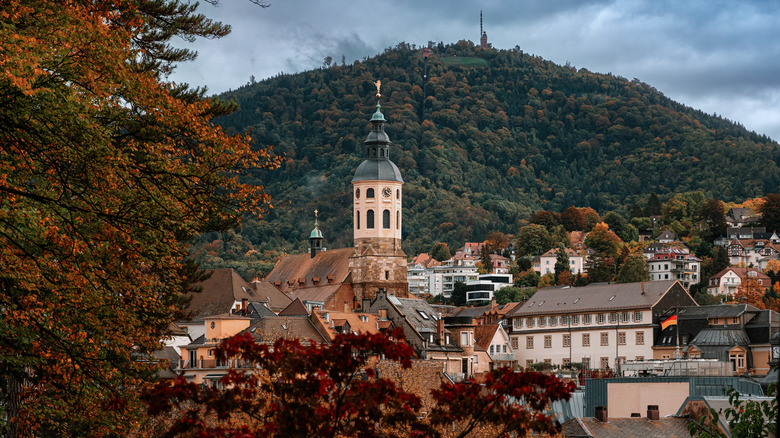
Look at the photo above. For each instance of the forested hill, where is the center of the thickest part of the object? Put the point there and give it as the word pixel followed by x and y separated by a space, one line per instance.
pixel 505 134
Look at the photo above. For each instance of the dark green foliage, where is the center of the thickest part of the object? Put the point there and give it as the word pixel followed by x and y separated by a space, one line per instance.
pixel 713 218
pixel 770 212
pixel 511 294
pixel 529 279
pixel 636 211
pixel 562 263
pixel 500 141
pixel 458 297
pixel 533 240
pixel 634 269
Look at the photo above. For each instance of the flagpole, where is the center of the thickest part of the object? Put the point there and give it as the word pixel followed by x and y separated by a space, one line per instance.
pixel 677 354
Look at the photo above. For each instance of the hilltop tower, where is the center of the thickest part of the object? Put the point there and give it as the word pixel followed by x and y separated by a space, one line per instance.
pixel 378 260
pixel 483 35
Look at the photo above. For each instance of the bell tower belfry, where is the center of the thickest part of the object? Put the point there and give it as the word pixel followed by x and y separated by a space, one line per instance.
pixel 378 260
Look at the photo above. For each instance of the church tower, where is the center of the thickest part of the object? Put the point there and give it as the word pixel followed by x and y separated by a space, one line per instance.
pixel 378 261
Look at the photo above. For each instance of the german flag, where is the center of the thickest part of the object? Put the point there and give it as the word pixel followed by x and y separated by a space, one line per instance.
pixel 672 320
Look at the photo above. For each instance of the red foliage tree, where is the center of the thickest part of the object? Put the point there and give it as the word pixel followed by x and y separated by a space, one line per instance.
pixel 289 389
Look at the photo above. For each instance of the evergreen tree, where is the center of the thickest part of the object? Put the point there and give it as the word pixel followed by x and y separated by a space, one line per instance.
pixel 562 262
pixel 653 207
pixel 634 269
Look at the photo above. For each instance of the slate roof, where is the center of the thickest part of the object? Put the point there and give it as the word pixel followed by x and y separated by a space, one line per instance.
pixel 719 336
pixel 259 311
pixel 301 270
pixel 320 294
pixel 594 297
pixel 219 292
pixel 412 308
pixel 296 308
pixel 713 311
pixel 267 292
pixel 668 427
pixel 268 330
pixel 472 312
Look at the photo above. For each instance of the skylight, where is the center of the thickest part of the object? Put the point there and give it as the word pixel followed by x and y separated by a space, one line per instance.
pixel 423 314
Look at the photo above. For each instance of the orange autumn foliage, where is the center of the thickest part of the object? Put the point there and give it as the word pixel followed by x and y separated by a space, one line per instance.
pixel 106 170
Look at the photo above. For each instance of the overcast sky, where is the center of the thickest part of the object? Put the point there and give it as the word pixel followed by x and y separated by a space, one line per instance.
pixel 717 56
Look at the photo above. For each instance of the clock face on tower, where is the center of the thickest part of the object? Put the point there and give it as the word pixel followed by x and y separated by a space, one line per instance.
pixel 775 353
pixel 357 193
pixel 386 192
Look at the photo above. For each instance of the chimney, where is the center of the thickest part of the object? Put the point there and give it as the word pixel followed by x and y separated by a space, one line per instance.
pixel 652 412
pixel 440 330
pixel 601 413
pixel 244 305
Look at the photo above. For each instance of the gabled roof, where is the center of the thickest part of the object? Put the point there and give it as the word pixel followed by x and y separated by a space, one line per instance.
pixel 741 273
pixel 554 253
pixel 425 260
pixel 268 330
pixel 472 312
pixel 266 291
pixel 358 322
pixel 319 294
pixel 301 270
pixel 296 308
pixel 594 297
pixel 484 334
pixel 668 427
pixel 715 311
pixel 418 312
pixel 219 292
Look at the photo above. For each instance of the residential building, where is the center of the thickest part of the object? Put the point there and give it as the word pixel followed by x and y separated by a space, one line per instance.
pixel 459 268
pixel 737 334
pixel 666 262
pixel 493 339
pixel 666 236
pixel 418 274
pixel 600 325
pixel 754 253
pixel 198 361
pixel 483 287
pixel 740 217
pixel 545 263
pixel 727 281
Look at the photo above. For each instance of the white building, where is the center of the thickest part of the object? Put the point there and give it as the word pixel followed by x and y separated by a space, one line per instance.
pixel 727 281
pixel 459 268
pixel 545 263
pixel 671 263
pixel 600 325
pixel 485 285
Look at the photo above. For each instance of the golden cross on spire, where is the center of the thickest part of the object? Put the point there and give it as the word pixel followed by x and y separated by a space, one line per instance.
pixel 378 84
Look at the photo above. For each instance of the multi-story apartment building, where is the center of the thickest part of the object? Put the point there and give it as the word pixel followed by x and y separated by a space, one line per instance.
pixel 600 325
pixel 673 263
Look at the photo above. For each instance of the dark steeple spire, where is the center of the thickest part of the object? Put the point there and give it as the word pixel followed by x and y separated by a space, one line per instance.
pixel 315 238
pixel 377 165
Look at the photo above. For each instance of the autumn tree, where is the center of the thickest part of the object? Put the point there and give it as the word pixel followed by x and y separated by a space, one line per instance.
pixel 548 219
pixel 713 218
pixel 572 219
pixel 603 240
pixel 291 389
pixel 440 251
pixel 751 291
pixel 107 170
pixel 485 259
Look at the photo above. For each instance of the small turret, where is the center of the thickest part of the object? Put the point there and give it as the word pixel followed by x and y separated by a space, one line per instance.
pixel 315 238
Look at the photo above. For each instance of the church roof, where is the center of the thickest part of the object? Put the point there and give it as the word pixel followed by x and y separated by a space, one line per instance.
pixel 377 169
pixel 302 270
pixel 266 292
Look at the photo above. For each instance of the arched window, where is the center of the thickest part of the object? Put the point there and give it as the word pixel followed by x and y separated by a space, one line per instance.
pixel 397 220
pixel 386 219
pixel 370 193
pixel 357 219
pixel 370 219
pixel 397 193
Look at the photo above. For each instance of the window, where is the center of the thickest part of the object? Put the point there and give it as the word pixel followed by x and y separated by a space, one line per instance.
pixel 491 349
pixel 588 318
pixel 397 193
pixel 565 320
pixel 586 339
pixel 566 362
pixel 464 339
pixel 640 358
pixel 626 316
pixel 504 348
pixel 423 314
pixel 515 342
pixel 370 219
pixel 370 193
pixel 542 321
pixel 567 340
pixel 548 341
pixel 604 338
pixel 529 342
pixel 553 321
pixel 637 316
pixel 621 338
pixel 613 318
pixel 386 219
pixel 475 359
pixel 735 320
pixel 529 363
pixel 602 318
pixel 548 361
pixel 357 219
pixel 575 319
pixel 604 362
pixel 517 322
pixel 529 322
pixel 640 338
